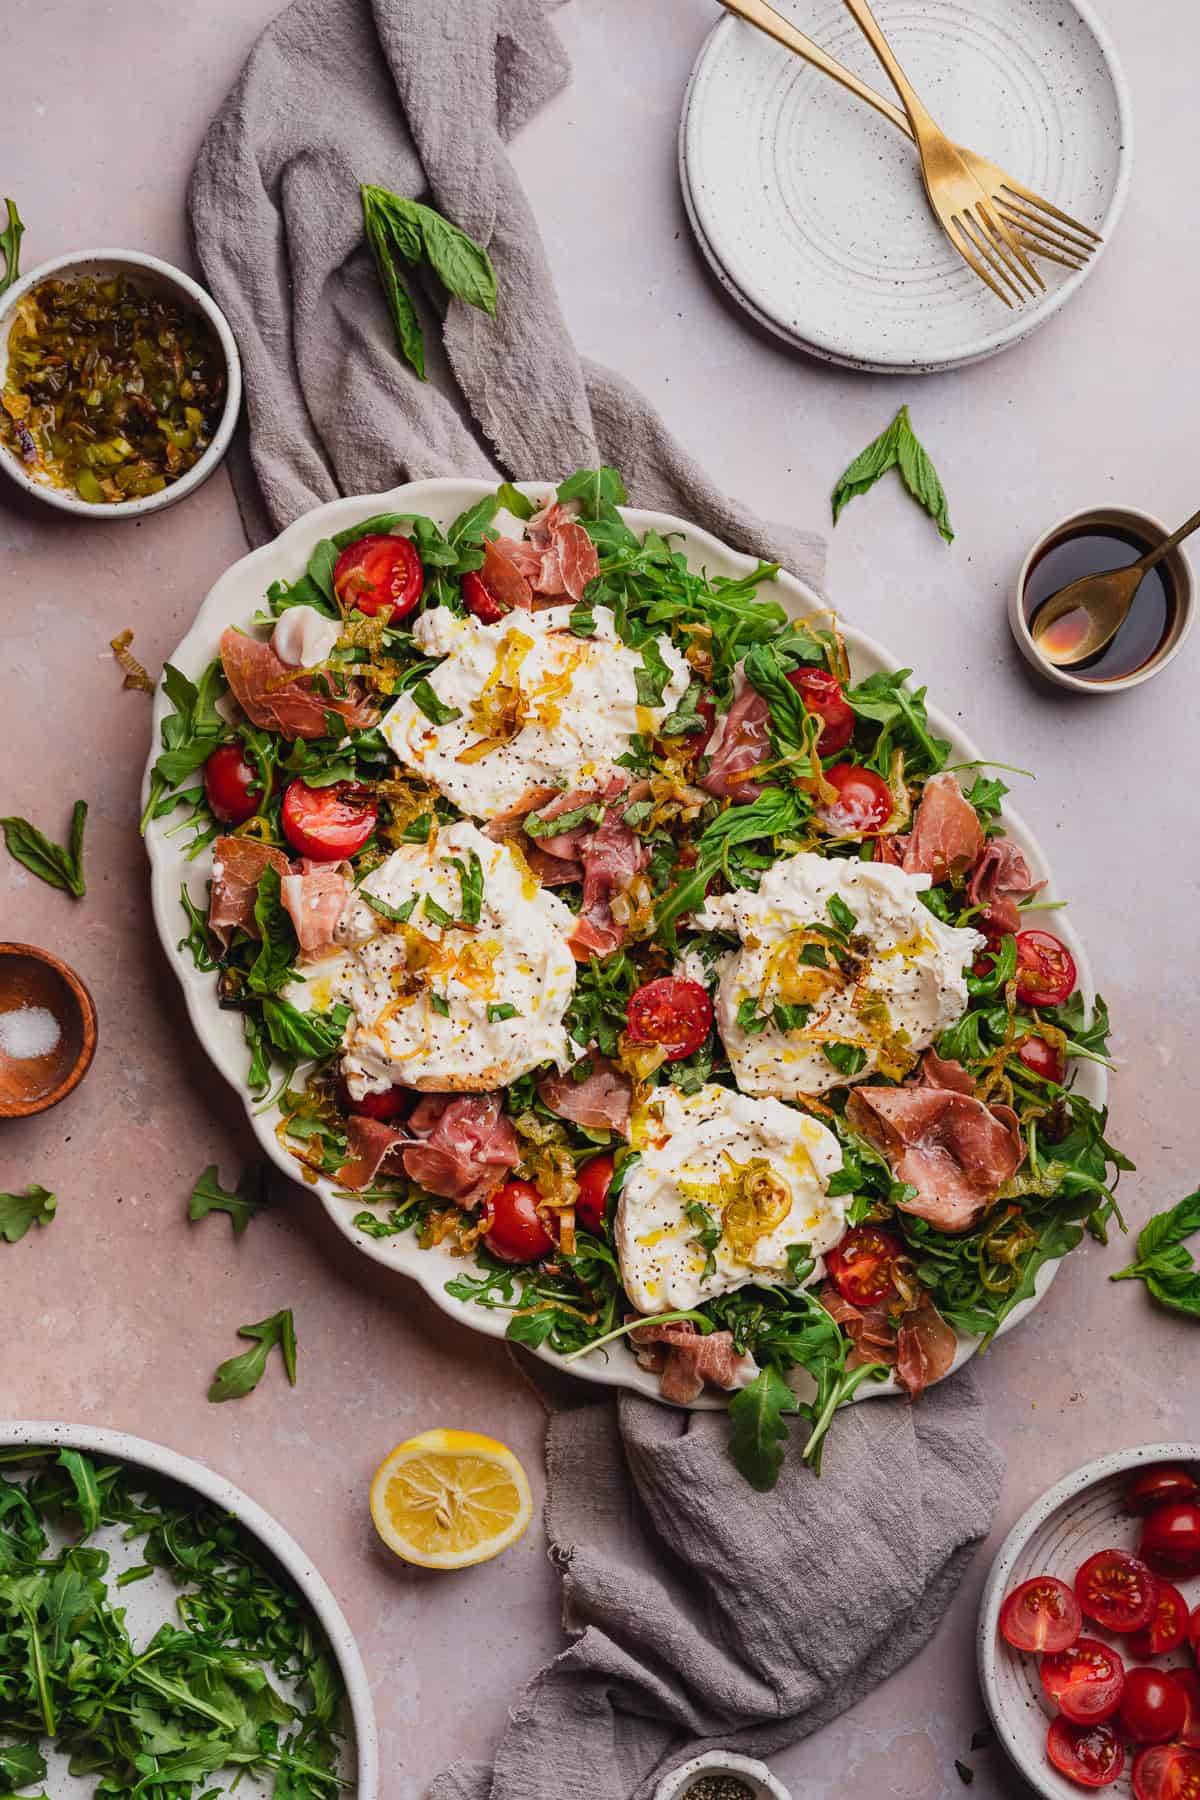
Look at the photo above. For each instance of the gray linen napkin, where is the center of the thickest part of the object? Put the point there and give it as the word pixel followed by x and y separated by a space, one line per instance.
pixel 700 1612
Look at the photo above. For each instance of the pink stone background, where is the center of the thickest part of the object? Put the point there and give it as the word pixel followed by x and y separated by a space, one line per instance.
pixel 119 1312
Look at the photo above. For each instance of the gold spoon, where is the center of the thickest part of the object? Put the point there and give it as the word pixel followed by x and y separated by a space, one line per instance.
pixel 1081 618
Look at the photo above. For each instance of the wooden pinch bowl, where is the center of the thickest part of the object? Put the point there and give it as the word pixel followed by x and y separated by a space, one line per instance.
pixel 30 977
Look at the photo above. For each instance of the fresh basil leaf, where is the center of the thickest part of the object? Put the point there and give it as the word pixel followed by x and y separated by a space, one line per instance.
pixel 842 916
pixel 514 501
pixel 440 1005
pixel 500 1010
pixel 56 865
pixel 10 245
pixel 897 445
pixel 749 1017
pixel 847 1059
pixel 463 267
pixel 36 1206
pixel 321 565
pixel 652 675
pixel 590 813
pixel 304 1034
pixel 399 915
pixel 243 1204
pixel 790 1017
pixel 406 321
pixel 1004 967
pixel 583 619
pixel 758 1428
pixel 686 719
pixel 272 967
pixel 434 912
pixel 470 875
pixel 435 710
pixel 241 1374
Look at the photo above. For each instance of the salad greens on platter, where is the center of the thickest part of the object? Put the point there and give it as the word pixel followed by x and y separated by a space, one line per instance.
pixel 243 1684
pixel 759 750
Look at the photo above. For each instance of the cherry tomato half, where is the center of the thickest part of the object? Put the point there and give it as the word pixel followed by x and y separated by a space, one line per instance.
pixel 1043 1059
pixel 392 1103
pixel 670 1012
pixel 1171 1538
pixel 1090 1755
pixel 379 571
pixel 1168 1625
pixel 1041 1614
pixel 327 823
pixel 1087 1680
pixel 594 1178
pixel 1166 1772
pixel 1117 1590
pixel 479 599
pixel 1045 969
pixel 864 801
pixel 1162 1481
pixel 232 786
pixel 1194 1633
pixel 515 1232
pixel 1153 1706
pixel 822 694
pixel 1189 1731
pixel 860 1268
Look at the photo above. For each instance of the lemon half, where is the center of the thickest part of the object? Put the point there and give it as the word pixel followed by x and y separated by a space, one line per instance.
pixel 447 1499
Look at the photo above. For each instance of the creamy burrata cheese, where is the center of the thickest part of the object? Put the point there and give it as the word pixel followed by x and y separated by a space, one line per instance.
pixel 446 1003
pixel 534 705
pixel 724 1185
pixel 842 971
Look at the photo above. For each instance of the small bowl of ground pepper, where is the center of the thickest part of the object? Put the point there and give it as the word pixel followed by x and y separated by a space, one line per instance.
pixel 721 1775
pixel 120 384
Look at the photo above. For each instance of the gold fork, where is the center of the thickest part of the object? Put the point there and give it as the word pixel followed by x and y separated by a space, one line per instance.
pixel 1036 224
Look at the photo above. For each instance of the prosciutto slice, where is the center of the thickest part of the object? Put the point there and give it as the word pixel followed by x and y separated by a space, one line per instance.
pixel 273 697
pixel 926 1348
pixel 955 1151
pixel 740 742
pixel 466 1146
pixel 602 1101
pixel 946 838
pixel 868 1328
pixel 684 1360
pixel 238 863
pixel 505 574
pixel 577 558
pixel 315 896
pixel 612 856
pixel 1000 878
pixel 372 1145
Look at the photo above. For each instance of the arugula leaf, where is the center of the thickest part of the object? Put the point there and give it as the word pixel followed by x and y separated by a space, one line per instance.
pixel 21 1764
pixel 87 1493
pixel 758 1429
pixel 847 1059
pixel 598 491
pixel 886 700
pixel 1084 1039
pixel 303 1034
pixel 398 228
pixel 196 939
pixel 514 501
pixel 36 1206
pixel 58 865
pixel 435 710
pixel 241 1374
pixel 10 245
pixel 898 445
pixel 247 1199
pixel 1163 1263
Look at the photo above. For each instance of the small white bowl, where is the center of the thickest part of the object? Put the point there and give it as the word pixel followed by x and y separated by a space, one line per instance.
pixel 1151 531
pixel 1079 1516
pixel 757 1777
pixel 149 272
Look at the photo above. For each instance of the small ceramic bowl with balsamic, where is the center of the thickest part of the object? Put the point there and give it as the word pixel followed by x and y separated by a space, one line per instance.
pixel 1088 543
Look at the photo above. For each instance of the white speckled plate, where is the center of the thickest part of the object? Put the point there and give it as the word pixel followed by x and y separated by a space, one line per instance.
pixel 235 598
pixel 1074 1519
pixel 809 205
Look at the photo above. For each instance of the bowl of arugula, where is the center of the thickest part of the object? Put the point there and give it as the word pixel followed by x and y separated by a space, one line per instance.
pixel 159 1630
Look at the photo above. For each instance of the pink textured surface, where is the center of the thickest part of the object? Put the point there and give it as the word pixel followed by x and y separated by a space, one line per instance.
pixel 119 1312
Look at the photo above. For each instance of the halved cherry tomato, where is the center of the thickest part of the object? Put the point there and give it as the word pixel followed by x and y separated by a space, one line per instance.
pixel 1194 1633
pixel 1045 969
pixel 1189 1731
pixel 1171 1538
pixel 232 785
pixel 1153 1706
pixel 1041 1614
pixel 861 1269
pixel 1043 1059
pixel 671 1012
pixel 515 1232
pixel 1117 1590
pixel 864 801
pixel 392 1103
pixel 327 823
pixel 377 571
pixel 1166 1772
pixel 1162 1481
pixel 594 1178
pixel 1168 1626
pixel 1090 1755
pixel 1087 1680
pixel 480 600
pixel 822 694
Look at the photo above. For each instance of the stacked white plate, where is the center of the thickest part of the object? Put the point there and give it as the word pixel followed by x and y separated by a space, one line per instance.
pixel 808 204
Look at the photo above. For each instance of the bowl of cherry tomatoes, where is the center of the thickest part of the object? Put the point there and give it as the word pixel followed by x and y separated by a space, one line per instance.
pixel 1089 1630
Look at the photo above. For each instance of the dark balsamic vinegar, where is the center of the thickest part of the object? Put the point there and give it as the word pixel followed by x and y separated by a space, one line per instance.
pixel 1090 550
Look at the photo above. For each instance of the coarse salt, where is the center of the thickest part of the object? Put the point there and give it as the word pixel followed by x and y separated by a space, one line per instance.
pixel 27 1032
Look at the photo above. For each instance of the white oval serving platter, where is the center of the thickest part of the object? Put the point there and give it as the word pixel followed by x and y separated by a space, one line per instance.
pixel 233 600
pixel 151 1602
pixel 808 205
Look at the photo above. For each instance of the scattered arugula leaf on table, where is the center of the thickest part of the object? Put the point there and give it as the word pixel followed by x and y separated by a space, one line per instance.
pixel 402 231
pixel 10 245
pixel 896 447
pixel 1163 1261
pixel 36 1206
pixel 240 1375
pixel 248 1199
pixel 59 865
